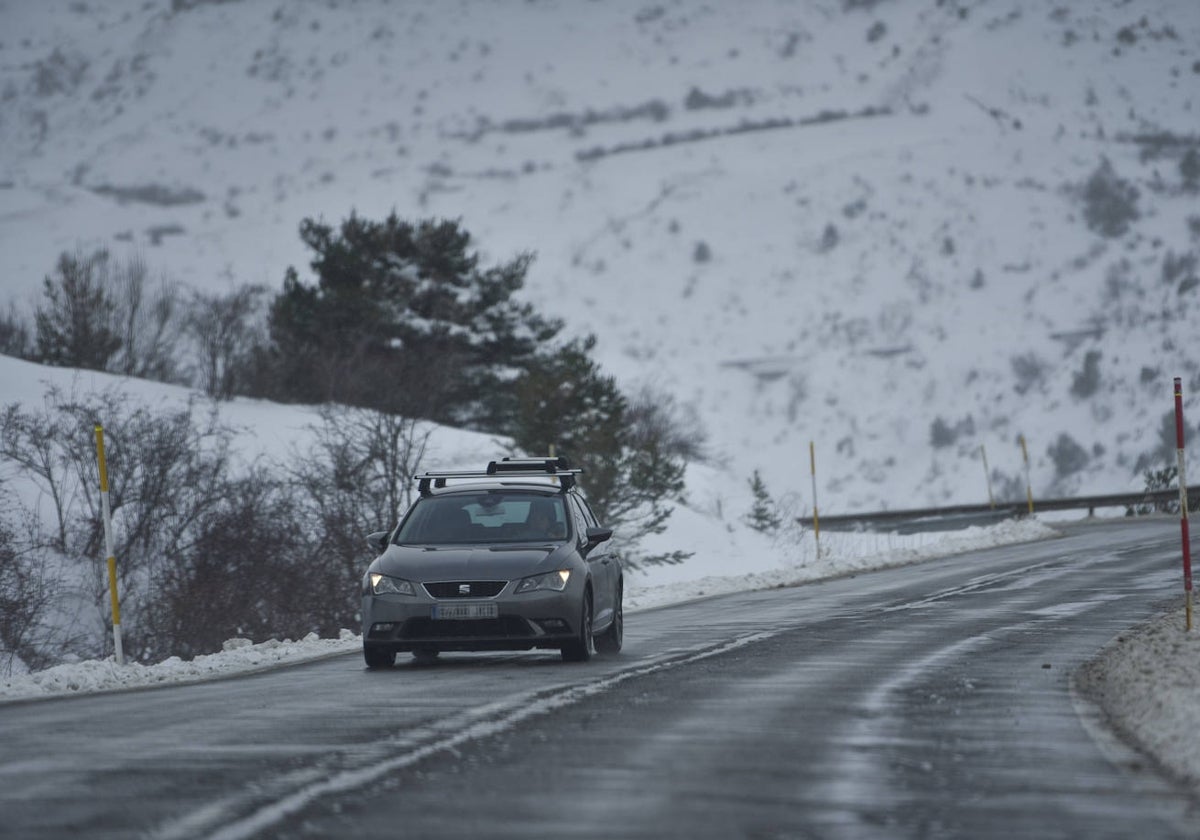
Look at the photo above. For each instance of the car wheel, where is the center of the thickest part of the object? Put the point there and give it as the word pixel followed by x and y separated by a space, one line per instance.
pixel 610 640
pixel 425 656
pixel 580 648
pixel 379 657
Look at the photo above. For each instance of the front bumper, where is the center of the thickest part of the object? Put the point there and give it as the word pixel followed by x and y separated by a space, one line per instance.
pixel 524 622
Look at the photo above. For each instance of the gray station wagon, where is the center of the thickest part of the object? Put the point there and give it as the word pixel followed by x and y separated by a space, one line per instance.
pixel 508 558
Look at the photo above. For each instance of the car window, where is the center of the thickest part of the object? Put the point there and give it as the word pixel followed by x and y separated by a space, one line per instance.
pixel 581 523
pixel 587 512
pixel 490 517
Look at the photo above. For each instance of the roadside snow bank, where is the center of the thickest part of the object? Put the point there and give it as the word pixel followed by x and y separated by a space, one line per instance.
pixel 1147 682
pixel 841 553
pixel 240 656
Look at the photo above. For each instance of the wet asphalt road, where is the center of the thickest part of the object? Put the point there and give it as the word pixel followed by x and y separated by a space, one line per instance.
pixel 925 701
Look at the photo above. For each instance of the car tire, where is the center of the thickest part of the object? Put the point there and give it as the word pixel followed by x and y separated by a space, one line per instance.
pixel 377 657
pixel 611 639
pixel 425 656
pixel 580 648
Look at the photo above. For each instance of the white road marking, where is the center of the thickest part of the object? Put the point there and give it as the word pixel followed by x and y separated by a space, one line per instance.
pixel 219 821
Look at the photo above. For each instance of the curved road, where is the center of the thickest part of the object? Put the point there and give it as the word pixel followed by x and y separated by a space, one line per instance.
pixel 926 701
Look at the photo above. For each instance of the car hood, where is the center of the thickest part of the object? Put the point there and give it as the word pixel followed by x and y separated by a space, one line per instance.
pixel 436 563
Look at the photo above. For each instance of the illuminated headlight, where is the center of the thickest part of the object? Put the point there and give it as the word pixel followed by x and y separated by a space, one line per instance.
pixel 384 585
pixel 555 581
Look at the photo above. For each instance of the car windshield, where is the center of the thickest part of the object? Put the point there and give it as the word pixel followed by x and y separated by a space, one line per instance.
pixel 490 517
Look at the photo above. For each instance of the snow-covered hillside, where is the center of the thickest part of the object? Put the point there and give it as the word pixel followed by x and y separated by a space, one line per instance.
pixel 858 222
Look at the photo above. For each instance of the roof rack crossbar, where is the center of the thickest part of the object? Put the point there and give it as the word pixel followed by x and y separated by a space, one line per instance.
pixel 506 468
pixel 546 463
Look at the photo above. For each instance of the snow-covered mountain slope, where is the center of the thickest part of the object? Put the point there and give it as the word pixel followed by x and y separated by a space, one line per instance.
pixel 863 223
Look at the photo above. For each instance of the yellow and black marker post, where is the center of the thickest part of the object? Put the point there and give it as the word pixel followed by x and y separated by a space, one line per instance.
pixel 108 545
pixel 812 459
pixel 1028 485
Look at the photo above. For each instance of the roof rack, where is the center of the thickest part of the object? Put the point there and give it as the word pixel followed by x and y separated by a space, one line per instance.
pixel 549 466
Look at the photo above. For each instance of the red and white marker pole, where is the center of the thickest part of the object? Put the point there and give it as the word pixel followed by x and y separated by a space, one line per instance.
pixel 1183 502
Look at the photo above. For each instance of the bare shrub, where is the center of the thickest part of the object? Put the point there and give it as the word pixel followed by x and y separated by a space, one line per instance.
pixel 697 99
pixel 104 314
pixel 16 334
pixel 246 569
pixel 1189 169
pixel 147 320
pixel 206 549
pixel 1087 380
pixel 1180 268
pixel 1029 369
pixel 1068 456
pixel 1165 478
pixel 1008 488
pixel 358 475
pixel 59 73
pixel 24 598
pixel 1109 201
pixel 634 493
pixel 165 470
pixel 75 323
pixel 657 419
pixel 1163 450
pixel 226 330
pixel 829 238
pixel 942 434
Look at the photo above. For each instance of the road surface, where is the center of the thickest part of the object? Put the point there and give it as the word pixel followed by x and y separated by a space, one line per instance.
pixel 926 701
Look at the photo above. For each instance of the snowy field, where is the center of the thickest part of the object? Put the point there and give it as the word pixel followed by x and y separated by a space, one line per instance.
pixel 859 224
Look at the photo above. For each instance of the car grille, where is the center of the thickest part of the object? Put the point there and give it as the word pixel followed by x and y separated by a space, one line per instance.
pixel 475 588
pixel 505 627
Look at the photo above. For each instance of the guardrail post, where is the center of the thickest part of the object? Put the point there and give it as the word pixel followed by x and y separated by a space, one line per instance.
pixel 1183 504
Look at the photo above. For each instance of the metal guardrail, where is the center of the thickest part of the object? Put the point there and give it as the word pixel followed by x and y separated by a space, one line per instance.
pixel 962 516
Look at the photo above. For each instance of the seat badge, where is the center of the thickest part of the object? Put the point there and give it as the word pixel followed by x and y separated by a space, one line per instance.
pixel 464 589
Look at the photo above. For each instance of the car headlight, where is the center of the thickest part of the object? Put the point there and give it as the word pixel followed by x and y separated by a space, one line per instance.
pixel 384 585
pixel 555 581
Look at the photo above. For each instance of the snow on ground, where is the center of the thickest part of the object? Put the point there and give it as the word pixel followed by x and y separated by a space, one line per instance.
pixel 1147 681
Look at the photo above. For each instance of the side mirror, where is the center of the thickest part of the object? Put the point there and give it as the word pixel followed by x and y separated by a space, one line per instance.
pixel 595 536
pixel 378 540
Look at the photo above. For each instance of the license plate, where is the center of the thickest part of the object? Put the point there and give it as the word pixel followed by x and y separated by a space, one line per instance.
pixel 459 611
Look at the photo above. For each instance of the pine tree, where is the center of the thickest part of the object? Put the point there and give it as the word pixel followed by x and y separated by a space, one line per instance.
pixel 1189 168
pixel 632 469
pixel 403 317
pixel 76 325
pixel 764 515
